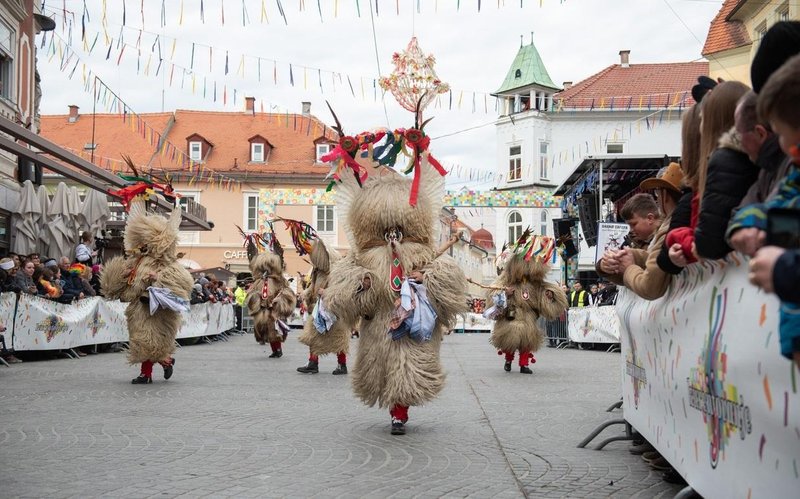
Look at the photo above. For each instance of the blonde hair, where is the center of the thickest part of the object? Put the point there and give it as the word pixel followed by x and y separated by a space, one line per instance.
pixel 690 146
pixel 717 110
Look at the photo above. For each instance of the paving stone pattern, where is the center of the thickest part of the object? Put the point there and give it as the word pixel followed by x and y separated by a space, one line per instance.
pixel 233 423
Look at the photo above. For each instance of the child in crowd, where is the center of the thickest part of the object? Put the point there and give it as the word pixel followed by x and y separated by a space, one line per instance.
pixel 723 179
pixel 777 269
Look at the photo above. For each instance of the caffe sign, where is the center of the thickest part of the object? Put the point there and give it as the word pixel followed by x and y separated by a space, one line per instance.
pixel 235 254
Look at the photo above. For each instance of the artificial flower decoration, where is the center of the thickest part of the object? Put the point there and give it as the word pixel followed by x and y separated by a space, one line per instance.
pixel 414 82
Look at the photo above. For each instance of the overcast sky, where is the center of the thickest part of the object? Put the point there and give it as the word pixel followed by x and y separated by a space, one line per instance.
pixel 473 50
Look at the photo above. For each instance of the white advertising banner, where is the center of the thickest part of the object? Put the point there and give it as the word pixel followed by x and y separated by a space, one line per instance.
pixel 704 382
pixel 42 324
pixel 593 324
pixel 610 236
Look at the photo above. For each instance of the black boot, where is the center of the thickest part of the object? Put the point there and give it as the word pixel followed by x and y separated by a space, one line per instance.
pixel 525 370
pixel 507 367
pixel 276 354
pixel 141 380
pixel 311 368
pixel 340 369
pixel 168 369
pixel 398 427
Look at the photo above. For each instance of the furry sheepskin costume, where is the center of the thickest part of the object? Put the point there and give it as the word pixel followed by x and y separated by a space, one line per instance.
pixel 269 300
pixel 403 372
pixel 150 260
pixel 528 298
pixel 337 339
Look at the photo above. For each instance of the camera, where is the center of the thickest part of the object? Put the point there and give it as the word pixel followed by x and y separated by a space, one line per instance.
pixel 783 228
pixel 101 243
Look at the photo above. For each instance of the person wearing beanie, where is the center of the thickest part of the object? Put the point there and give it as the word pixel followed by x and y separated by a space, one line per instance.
pixel 780 42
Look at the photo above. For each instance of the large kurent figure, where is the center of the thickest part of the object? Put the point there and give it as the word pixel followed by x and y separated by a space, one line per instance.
pixel 155 286
pixel 522 270
pixel 393 242
pixel 269 300
pixel 337 338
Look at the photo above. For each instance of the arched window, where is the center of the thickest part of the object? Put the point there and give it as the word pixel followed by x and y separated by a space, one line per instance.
pixel 514 227
pixel 544 223
pixel 518 73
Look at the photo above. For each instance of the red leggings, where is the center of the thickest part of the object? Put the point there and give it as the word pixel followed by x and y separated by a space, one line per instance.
pixel 275 346
pixel 399 412
pixel 147 367
pixel 341 358
pixel 524 358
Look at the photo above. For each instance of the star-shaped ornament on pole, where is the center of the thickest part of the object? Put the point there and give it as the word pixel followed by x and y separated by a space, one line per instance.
pixel 413 82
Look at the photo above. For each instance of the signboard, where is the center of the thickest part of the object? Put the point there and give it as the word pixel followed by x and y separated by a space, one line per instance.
pixel 704 382
pixel 610 236
pixel 593 324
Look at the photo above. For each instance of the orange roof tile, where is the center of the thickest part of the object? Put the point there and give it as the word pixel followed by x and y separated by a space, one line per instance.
pixel 635 86
pixel 292 137
pixel 724 34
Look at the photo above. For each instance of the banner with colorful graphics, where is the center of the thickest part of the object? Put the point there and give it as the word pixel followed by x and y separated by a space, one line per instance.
pixel 705 383
pixel 42 324
pixel 593 324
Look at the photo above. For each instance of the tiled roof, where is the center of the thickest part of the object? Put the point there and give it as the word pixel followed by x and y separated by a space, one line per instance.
pixel 724 34
pixel 531 68
pixel 292 137
pixel 637 86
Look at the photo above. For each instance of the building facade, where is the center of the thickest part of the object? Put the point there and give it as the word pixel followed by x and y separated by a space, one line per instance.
pixel 736 31
pixel 20 21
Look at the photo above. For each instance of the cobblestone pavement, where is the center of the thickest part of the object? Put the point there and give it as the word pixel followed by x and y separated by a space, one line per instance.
pixel 233 423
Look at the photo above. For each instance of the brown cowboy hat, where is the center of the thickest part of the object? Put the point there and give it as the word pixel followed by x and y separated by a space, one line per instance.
pixel 669 178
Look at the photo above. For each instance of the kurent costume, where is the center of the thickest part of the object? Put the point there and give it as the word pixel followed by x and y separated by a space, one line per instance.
pixel 320 335
pixel 155 286
pixel 270 300
pixel 391 224
pixel 520 296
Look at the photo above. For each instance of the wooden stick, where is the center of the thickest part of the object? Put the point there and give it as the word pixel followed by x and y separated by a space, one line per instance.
pixel 493 288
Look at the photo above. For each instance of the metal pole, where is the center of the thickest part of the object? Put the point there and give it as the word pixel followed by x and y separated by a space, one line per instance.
pixel 600 192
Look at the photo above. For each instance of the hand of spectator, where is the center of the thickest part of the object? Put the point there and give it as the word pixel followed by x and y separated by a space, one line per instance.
pixel 748 240
pixel 609 265
pixel 509 291
pixel 762 265
pixel 625 259
pixel 32 290
pixel 676 255
pixel 81 296
pixel 416 275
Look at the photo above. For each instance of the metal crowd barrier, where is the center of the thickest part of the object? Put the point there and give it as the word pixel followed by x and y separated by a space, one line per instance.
pixel 557 331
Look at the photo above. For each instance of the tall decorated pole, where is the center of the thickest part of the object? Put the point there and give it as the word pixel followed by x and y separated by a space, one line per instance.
pixel 414 82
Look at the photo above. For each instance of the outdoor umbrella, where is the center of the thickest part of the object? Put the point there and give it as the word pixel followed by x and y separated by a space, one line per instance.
pixel 26 219
pixel 75 217
pixel 59 224
pixel 44 207
pixel 95 212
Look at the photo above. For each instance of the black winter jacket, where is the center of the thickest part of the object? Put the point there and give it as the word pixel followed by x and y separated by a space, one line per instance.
pixel 730 175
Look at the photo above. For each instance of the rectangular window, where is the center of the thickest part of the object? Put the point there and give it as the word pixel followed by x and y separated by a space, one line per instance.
pixel 322 150
pixel 614 148
pixel 257 153
pixel 188 237
pixel 324 222
pixel 760 31
pixel 5 232
pixel 7 44
pixel 250 212
pixel 544 167
pixel 196 151
pixel 783 12
pixel 514 163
